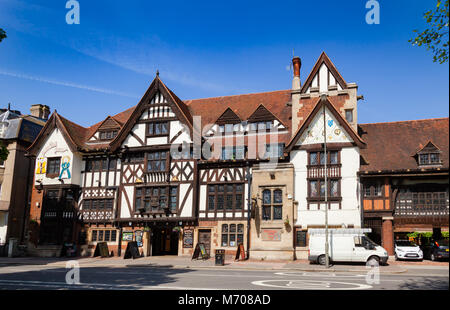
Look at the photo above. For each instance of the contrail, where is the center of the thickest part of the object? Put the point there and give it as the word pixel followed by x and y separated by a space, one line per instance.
pixel 67 84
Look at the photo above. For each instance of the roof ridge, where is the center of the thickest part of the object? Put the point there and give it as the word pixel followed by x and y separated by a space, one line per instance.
pixel 406 121
pixel 248 94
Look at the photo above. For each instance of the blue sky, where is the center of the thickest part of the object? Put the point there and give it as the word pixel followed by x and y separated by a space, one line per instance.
pixel 213 48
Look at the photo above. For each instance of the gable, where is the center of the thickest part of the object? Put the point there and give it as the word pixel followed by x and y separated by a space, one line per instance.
pixel 337 128
pixel 158 105
pixel 323 77
pixel 314 133
pixel 429 148
pixel 228 117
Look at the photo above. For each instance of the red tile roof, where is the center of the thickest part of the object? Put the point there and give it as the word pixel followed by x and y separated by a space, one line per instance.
pixel 391 146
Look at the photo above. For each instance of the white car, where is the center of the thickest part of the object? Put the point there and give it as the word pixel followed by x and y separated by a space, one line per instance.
pixel 405 249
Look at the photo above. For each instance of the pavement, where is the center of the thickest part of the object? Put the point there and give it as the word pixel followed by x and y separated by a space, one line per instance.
pixel 180 262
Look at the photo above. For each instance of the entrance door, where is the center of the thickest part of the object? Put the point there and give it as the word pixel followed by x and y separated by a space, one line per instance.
pixel 164 241
pixel 204 236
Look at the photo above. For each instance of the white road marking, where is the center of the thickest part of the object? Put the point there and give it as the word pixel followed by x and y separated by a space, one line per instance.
pixel 311 285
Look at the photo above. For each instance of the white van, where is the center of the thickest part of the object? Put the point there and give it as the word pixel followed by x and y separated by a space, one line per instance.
pixel 345 245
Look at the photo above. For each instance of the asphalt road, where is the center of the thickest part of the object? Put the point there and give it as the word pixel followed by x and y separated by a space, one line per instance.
pixel 162 278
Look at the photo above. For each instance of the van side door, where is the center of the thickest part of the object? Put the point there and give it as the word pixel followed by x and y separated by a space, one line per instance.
pixel 359 253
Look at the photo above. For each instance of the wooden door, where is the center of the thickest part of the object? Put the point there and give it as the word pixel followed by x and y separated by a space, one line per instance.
pixel 204 236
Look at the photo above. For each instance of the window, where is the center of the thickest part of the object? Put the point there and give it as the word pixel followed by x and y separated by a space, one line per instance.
pixel 157 129
pixel 108 135
pixel 429 159
pixel 157 161
pixel 272 204
pixel 232 235
pixel 104 235
pixel 233 152
pixel 134 157
pixel 317 189
pixel 97 164
pixel 53 165
pixel 274 150
pixel 373 190
pixel 300 238
pixel 98 205
pixel 156 199
pixel 349 115
pixel 228 197
pixel 318 158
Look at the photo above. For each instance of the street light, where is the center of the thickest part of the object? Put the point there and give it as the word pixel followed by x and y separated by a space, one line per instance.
pixel 323 99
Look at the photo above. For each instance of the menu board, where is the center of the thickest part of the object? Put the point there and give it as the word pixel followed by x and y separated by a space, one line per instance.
pixel 188 239
pixel 138 237
pixel 127 236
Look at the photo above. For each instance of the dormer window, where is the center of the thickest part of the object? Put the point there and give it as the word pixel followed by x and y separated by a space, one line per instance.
pixel 108 135
pixel 429 155
pixel 429 159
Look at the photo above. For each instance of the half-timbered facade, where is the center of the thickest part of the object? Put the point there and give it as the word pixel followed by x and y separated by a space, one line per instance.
pixel 405 190
pixel 245 169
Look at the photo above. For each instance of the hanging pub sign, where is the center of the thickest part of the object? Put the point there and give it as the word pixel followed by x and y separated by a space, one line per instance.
pixel 127 236
pixel 200 251
pixel 240 252
pixel 138 237
pixel 188 239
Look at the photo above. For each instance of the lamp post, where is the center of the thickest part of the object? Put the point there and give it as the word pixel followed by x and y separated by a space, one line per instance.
pixel 327 261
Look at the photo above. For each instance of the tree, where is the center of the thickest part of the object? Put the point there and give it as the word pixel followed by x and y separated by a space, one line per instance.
pixel 2 34
pixel 3 150
pixel 436 36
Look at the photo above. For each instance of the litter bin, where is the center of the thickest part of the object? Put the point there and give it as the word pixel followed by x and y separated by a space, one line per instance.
pixel 220 257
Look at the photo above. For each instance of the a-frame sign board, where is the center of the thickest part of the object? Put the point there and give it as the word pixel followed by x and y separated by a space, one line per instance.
pixel 132 250
pixel 200 251
pixel 240 252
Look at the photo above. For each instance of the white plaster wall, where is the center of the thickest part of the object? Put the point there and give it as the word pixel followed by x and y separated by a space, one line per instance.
pixel 203 194
pixel 138 130
pixel 323 78
pixel 175 127
pixel 187 209
pixel 350 212
pixel 124 212
pixel 56 146
pixel 157 141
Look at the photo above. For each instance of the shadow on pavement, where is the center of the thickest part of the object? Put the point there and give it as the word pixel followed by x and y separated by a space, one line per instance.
pixel 93 278
pixel 425 284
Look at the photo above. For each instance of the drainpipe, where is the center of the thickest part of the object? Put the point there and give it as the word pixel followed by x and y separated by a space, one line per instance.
pixel 249 205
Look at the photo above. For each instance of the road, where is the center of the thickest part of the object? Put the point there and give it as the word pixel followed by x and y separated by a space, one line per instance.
pixel 37 277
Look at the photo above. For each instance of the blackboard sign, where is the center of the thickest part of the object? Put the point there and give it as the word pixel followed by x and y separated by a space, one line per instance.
pixel 240 251
pixel 132 250
pixel 188 239
pixel 200 251
pixel 101 250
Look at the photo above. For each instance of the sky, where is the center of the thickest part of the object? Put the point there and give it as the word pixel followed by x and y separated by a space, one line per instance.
pixel 104 64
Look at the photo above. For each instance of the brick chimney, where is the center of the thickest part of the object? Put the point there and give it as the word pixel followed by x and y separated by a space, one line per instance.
pixel 40 111
pixel 295 93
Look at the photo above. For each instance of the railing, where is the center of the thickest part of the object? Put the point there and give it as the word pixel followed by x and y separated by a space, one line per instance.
pixel 333 171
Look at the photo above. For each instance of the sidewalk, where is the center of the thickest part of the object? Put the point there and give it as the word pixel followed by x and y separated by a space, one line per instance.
pixel 186 263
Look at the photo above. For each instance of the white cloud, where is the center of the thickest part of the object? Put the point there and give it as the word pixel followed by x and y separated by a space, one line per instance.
pixel 68 84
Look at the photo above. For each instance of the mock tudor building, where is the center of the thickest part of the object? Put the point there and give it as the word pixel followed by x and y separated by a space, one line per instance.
pixel 169 174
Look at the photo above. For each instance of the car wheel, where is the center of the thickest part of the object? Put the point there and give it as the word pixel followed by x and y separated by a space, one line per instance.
pixel 374 260
pixel 321 260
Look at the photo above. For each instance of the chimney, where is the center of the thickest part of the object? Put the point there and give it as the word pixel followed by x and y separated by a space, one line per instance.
pixel 296 63
pixel 295 94
pixel 40 111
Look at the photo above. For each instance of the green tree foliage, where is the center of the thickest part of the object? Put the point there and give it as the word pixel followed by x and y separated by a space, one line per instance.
pixel 2 34
pixel 436 36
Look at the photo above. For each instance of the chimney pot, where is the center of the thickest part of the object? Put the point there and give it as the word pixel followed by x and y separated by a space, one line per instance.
pixel 297 63
pixel 40 111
